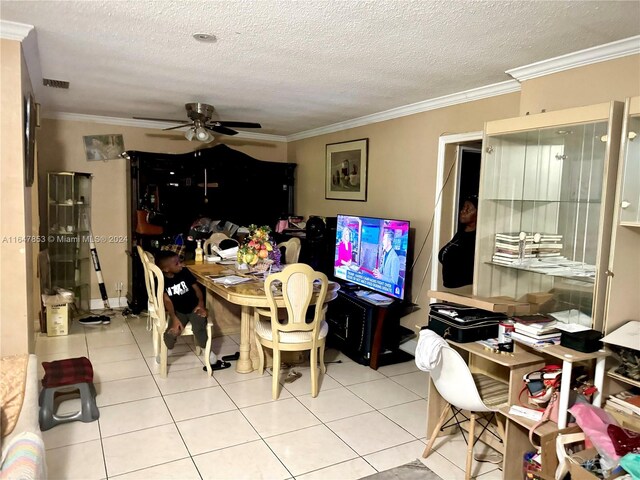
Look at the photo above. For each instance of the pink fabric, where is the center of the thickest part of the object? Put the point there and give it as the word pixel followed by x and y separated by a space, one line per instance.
pixel 344 253
pixel 594 422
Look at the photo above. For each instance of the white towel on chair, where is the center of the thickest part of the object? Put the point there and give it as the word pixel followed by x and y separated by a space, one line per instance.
pixel 428 351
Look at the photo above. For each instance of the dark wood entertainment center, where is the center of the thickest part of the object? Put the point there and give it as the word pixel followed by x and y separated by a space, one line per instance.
pixel 368 334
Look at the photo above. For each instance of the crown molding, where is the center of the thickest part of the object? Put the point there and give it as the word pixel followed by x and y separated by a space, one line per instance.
pixel 600 53
pixel 14 30
pixel 502 88
pixel 132 122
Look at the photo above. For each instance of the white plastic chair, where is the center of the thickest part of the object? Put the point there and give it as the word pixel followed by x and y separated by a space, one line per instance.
pixel 214 239
pixel 461 390
pixel 156 284
pixel 292 250
pixel 294 333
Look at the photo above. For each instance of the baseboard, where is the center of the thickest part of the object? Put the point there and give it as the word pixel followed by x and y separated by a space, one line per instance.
pixel 98 304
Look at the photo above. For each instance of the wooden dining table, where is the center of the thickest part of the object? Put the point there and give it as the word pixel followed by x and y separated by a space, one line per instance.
pixel 247 295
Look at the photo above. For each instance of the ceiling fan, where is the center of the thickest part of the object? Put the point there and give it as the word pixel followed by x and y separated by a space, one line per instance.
pixel 202 124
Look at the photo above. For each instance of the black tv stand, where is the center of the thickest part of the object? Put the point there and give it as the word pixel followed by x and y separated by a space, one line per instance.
pixel 368 334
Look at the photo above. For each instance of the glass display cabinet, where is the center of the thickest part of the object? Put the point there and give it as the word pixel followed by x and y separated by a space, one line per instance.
pixel 630 196
pixel 69 213
pixel 545 211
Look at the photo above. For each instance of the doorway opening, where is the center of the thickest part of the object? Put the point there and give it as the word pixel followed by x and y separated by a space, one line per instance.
pixel 458 177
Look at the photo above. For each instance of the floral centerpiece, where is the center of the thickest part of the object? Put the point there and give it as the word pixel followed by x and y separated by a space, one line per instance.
pixel 259 248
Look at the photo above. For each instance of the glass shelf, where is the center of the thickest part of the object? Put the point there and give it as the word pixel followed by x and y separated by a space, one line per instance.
pixel 69 197
pixel 553 174
pixel 593 201
pixel 579 278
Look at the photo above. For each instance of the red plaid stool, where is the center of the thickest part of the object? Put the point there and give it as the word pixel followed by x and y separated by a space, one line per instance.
pixel 66 376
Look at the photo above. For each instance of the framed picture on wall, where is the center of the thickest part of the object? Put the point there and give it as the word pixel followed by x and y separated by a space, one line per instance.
pixel 103 147
pixel 346 170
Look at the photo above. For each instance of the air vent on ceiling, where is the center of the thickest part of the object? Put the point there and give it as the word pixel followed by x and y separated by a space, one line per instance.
pixel 48 82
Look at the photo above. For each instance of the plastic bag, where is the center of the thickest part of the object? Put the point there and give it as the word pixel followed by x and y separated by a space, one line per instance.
pixel 594 422
pixel 62 296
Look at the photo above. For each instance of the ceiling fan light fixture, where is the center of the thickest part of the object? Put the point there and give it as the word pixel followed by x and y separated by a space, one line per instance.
pixel 202 134
pixel 189 134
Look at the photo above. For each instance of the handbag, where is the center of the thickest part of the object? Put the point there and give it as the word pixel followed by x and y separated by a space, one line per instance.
pixel 143 227
pixel 156 218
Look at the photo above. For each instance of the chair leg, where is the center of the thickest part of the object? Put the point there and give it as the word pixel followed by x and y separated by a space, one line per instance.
pixel 207 350
pixel 198 350
pixel 314 371
pixel 276 374
pixel 163 359
pixel 323 367
pixel 472 425
pixel 436 430
pixel 155 338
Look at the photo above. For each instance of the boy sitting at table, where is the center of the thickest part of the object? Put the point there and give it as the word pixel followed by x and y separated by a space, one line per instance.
pixel 184 303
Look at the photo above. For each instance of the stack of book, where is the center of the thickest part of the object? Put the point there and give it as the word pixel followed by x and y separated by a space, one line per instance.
pixel 536 330
pixel 507 247
pixel 627 402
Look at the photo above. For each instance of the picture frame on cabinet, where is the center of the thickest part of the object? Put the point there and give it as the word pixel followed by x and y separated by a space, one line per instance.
pixel 346 170
pixel 103 147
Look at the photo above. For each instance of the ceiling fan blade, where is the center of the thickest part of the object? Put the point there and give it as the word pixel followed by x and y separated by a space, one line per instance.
pixel 221 129
pixel 239 124
pixel 159 119
pixel 178 126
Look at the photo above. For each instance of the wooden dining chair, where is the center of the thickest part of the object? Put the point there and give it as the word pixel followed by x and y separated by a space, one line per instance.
pixel 145 259
pixel 292 250
pixel 295 332
pixel 156 283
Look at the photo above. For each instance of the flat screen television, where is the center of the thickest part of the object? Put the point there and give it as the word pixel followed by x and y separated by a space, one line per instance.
pixel 372 252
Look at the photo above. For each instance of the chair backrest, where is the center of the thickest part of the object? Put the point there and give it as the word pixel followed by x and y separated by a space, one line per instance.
pixel 292 250
pixel 214 239
pixel 145 259
pixel 297 290
pixel 452 378
pixel 156 285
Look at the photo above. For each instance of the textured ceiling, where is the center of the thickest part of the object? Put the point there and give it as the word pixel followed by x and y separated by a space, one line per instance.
pixel 294 66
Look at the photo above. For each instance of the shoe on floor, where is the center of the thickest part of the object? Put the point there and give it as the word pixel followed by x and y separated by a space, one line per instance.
pixel 230 358
pixel 92 321
pixel 219 365
pixel 169 340
pixel 488 457
pixel 105 320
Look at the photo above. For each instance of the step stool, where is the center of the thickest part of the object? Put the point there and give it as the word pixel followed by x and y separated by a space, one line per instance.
pixel 65 376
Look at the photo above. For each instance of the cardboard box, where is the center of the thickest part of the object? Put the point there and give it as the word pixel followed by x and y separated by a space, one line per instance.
pixel 57 320
pixel 579 473
pixel 539 297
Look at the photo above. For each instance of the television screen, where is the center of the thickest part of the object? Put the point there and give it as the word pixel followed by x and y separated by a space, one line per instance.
pixel 372 252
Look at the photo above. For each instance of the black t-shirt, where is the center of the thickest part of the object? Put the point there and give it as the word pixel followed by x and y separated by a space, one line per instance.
pixel 180 291
pixel 457 259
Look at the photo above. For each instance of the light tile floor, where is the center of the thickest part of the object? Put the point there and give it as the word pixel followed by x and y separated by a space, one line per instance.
pixel 228 427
